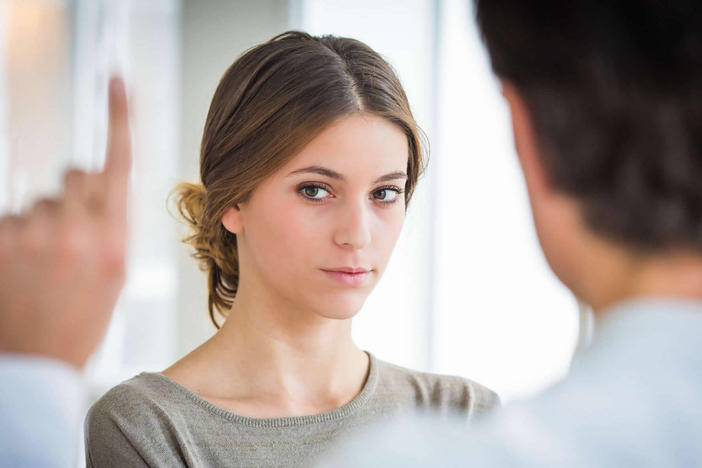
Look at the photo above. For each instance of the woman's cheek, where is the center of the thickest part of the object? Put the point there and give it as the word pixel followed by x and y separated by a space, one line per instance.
pixel 297 227
pixel 391 221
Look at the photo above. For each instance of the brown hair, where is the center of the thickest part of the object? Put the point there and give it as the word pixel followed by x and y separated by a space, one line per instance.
pixel 271 102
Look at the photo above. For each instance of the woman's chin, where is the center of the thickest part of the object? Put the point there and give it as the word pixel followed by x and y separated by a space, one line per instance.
pixel 339 315
pixel 340 308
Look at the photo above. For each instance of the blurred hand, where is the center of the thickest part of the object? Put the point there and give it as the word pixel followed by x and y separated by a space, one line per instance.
pixel 62 264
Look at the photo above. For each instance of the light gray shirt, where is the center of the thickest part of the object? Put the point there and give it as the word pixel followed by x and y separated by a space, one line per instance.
pixel 634 398
pixel 41 407
pixel 151 420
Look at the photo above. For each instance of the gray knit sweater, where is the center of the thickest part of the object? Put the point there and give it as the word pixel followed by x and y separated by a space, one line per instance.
pixel 151 420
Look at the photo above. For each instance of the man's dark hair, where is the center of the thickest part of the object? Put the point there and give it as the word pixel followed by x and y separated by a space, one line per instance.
pixel 614 90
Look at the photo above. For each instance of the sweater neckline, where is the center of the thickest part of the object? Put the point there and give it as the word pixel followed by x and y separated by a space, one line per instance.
pixel 286 421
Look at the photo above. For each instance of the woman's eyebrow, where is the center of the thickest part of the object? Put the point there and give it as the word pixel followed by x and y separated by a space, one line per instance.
pixel 391 176
pixel 335 175
pixel 318 170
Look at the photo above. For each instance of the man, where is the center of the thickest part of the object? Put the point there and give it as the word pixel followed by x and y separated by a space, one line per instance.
pixel 606 106
pixel 62 267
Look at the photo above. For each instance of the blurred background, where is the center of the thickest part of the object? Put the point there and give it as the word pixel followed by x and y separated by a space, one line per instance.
pixel 467 291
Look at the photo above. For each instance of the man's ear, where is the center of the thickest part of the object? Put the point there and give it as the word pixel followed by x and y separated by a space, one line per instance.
pixel 526 141
pixel 231 220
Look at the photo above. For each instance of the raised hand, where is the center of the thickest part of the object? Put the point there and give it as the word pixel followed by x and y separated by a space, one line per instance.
pixel 62 264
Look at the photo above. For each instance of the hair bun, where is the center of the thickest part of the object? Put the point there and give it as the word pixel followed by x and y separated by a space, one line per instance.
pixel 190 202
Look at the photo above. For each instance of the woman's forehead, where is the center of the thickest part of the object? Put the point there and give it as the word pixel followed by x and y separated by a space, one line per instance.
pixel 360 144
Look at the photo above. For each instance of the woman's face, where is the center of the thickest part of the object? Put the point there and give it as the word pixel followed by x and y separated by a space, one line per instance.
pixel 317 234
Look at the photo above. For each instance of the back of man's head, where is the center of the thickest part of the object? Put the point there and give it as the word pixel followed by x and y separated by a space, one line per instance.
pixel 614 90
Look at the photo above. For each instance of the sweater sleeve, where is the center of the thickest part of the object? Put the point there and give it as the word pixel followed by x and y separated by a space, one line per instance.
pixel 106 445
pixel 133 425
pixel 484 399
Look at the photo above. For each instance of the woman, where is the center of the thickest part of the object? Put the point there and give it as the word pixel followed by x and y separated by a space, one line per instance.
pixel 309 157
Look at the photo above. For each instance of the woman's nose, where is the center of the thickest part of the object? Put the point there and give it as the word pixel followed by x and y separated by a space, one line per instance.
pixel 353 230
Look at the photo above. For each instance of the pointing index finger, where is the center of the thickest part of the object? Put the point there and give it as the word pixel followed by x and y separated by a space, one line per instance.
pixel 119 156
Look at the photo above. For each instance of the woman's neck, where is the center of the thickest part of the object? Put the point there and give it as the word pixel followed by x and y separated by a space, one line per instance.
pixel 271 360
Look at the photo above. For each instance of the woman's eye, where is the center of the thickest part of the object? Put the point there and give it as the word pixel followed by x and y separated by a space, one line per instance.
pixel 386 195
pixel 314 192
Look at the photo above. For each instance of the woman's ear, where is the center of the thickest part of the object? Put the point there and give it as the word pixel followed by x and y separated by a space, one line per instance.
pixel 231 220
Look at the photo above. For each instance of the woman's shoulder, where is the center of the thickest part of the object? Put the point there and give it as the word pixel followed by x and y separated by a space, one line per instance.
pixel 437 391
pixel 122 426
pixel 139 391
pixel 141 402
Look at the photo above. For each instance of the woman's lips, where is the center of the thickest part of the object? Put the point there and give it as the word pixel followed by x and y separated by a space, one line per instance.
pixel 349 276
